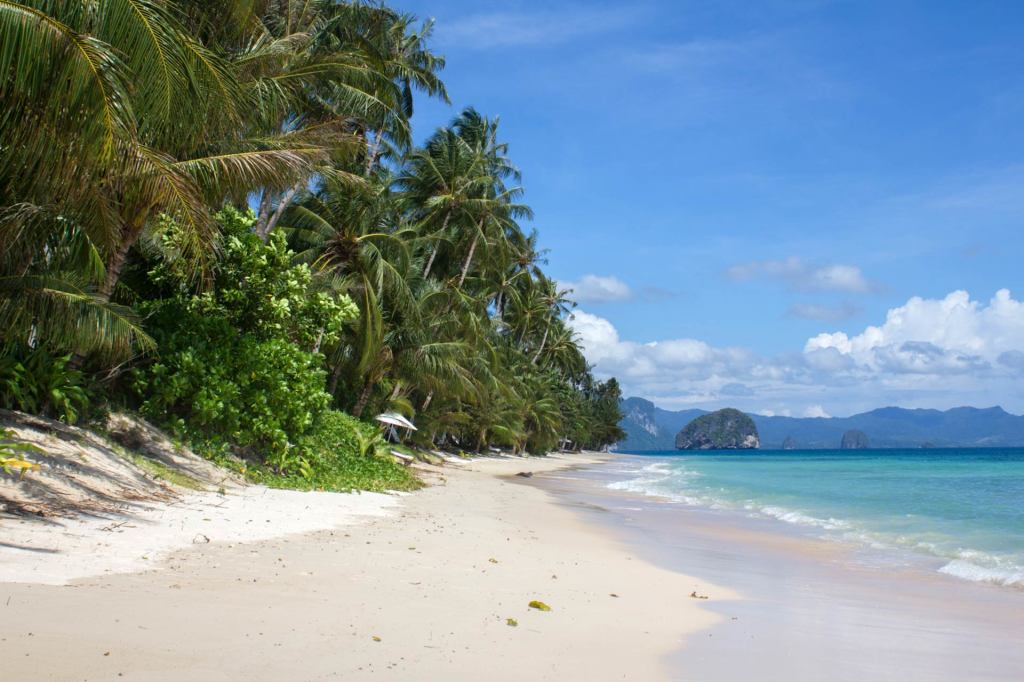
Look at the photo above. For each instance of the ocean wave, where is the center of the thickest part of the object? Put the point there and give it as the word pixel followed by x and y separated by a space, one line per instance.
pixel 800 518
pixel 966 570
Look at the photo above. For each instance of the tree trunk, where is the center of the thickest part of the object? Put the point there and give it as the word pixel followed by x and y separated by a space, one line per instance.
pixel 543 340
pixel 433 252
pixel 374 150
pixel 268 222
pixel 115 265
pixel 263 215
pixel 430 261
pixel 426 403
pixel 332 385
pixel 469 259
pixel 394 391
pixel 364 398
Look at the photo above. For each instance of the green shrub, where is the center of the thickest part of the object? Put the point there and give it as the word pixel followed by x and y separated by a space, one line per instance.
pixel 340 454
pixel 239 364
pixel 255 394
pixel 39 382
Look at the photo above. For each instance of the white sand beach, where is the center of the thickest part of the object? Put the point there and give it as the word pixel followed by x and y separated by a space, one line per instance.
pixel 315 586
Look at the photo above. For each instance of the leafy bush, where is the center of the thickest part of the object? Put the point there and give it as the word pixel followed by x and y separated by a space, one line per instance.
pixel 340 454
pixel 240 362
pixel 36 381
pixel 252 393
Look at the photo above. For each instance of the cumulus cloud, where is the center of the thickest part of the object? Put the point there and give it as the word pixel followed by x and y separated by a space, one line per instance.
pixel 803 276
pixel 936 336
pixel 598 289
pixel 927 353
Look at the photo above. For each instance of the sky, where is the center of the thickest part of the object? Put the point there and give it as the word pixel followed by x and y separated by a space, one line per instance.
pixel 801 207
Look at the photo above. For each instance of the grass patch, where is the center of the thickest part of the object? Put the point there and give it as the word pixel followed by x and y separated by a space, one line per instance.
pixel 162 472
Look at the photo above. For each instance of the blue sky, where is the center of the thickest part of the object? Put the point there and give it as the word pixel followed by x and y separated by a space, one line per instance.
pixel 731 186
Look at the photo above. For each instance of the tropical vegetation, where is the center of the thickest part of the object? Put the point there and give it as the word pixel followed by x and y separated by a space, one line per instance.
pixel 215 212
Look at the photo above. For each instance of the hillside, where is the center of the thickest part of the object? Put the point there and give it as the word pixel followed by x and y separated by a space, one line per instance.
pixel 649 427
pixel 726 429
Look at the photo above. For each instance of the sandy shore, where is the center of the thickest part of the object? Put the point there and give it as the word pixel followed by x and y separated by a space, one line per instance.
pixel 814 607
pixel 418 587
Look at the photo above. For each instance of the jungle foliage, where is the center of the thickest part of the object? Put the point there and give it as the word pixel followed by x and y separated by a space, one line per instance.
pixel 216 212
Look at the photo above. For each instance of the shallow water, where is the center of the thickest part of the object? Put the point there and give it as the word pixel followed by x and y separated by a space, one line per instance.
pixel 817 601
pixel 963 509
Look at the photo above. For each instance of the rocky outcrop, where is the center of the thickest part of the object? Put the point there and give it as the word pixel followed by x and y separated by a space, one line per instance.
pixel 789 443
pixel 726 429
pixel 854 439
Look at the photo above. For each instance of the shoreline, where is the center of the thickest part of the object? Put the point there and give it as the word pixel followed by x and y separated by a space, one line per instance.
pixel 812 607
pixel 423 589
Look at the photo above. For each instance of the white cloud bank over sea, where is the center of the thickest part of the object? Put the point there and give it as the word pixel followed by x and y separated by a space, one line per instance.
pixel 926 353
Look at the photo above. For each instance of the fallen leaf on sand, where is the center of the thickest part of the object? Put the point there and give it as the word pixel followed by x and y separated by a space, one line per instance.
pixel 376 638
pixel 511 622
pixel 539 605
pixel 493 560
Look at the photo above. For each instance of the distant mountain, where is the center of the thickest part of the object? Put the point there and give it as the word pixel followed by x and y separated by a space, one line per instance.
pixel 649 427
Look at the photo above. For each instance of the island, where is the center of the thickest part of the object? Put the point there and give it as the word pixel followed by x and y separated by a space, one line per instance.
pixel 726 429
pixel 854 439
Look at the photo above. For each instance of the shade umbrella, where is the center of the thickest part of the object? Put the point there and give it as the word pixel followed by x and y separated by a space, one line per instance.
pixel 393 420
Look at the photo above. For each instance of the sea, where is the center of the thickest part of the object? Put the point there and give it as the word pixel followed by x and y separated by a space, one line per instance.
pixel 959 512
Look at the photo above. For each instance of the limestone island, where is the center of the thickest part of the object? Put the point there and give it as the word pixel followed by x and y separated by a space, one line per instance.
pixel 854 439
pixel 727 429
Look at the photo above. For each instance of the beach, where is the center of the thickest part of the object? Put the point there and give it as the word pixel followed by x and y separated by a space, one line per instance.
pixel 261 584
pixel 422 587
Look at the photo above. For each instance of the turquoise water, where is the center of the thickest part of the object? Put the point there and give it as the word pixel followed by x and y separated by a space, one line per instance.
pixel 962 508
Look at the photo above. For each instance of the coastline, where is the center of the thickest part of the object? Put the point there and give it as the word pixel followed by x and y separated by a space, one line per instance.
pixel 424 589
pixel 811 607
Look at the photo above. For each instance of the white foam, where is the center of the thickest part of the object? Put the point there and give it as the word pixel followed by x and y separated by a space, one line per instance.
pixel 970 571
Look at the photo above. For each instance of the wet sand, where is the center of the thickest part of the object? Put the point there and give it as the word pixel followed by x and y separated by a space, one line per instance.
pixel 809 608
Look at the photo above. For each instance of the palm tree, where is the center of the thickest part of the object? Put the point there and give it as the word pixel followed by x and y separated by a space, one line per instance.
pixel 442 184
pixel 356 238
pixel 169 144
pixel 339 72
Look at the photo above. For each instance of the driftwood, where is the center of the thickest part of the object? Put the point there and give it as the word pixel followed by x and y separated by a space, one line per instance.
pixel 403 458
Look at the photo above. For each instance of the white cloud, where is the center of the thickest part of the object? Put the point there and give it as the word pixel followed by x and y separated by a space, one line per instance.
pixel 598 289
pixel 935 336
pixel 803 276
pixel 927 353
pixel 816 411
pixel 541 28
